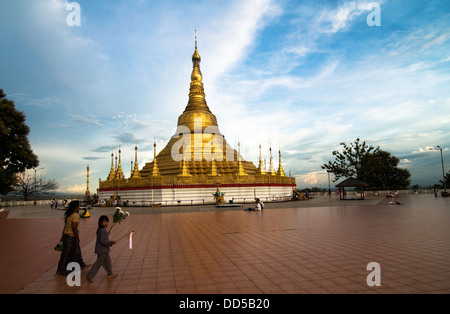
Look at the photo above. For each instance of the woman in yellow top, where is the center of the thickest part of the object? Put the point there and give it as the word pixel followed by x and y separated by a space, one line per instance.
pixel 71 251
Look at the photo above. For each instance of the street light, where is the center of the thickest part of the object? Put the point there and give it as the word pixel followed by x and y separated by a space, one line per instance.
pixel 36 170
pixel 443 172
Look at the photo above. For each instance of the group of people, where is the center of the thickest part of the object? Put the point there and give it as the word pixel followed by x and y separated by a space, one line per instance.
pixel 258 207
pixel 71 251
pixel 54 204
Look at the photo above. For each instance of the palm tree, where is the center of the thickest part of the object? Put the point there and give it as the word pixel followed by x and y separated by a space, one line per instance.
pixel 447 180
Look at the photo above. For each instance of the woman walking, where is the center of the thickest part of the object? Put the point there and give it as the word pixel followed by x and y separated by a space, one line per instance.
pixel 71 251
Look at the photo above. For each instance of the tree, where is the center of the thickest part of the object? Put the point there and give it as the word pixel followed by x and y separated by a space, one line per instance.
pixel 447 180
pixel 29 185
pixel 16 154
pixel 348 163
pixel 371 165
pixel 381 171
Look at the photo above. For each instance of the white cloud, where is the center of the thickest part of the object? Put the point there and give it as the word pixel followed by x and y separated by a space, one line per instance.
pixel 334 20
pixel 230 36
pixel 84 120
pixel 74 188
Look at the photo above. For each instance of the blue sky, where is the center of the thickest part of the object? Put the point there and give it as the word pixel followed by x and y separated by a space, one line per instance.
pixel 301 76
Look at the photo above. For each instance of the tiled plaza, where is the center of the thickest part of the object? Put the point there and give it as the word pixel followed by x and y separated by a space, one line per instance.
pixel 316 246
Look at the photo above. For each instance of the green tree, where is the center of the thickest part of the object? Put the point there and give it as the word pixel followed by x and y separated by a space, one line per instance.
pixel 369 164
pixel 380 170
pixel 349 162
pixel 16 154
pixel 447 180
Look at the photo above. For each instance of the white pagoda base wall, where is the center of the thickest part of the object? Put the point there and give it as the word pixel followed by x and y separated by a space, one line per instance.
pixel 200 195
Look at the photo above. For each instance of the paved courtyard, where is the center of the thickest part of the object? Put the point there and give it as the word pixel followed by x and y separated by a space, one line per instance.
pixel 316 246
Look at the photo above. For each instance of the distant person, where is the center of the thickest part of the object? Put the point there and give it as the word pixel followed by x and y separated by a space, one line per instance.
pixel 102 247
pixel 52 204
pixel 71 251
pixel 56 204
pixel 256 208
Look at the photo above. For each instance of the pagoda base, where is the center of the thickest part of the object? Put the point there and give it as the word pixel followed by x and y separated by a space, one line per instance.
pixel 196 194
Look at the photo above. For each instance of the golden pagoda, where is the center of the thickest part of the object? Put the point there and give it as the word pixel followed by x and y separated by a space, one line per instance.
pixel 196 160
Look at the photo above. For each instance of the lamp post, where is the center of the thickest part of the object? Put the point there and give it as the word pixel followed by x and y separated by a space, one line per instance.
pixel 36 170
pixel 329 185
pixel 443 172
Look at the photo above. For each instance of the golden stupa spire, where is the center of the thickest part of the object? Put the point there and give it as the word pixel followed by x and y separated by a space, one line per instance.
pixel 240 168
pixel 184 173
pixel 195 39
pixel 88 193
pixel 214 172
pixel 196 76
pixel 119 172
pixel 112 172
pixel 155 172
pixel 197 100
pixel 261 169
pixel 135 174
pixel 280 171
pixel 271 168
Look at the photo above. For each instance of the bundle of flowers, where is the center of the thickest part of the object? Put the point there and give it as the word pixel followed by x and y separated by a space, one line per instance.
pixel 119 216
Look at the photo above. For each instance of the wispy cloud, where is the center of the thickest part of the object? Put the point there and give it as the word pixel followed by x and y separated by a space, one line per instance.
pixel 340 18
pixel 103 149
pixel 84 120
pixel 93 158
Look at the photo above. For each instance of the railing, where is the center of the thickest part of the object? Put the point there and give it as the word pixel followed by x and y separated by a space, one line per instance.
pixel 268 199
pixel 144 203
pixel 27 203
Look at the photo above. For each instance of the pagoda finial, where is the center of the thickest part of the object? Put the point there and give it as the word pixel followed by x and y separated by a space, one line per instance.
pixel 196 56
pixel 240 168
pixel 184 172
pixel 213 172
pixel 261 169
pixel 135 173
pixel 155 172
pixel 195 39
pixel 88 193
pixel 280 171
pixel 112 171
pixel 271 169
pixel 119 172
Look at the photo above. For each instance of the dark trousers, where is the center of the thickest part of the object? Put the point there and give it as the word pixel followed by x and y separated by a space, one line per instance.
pixel 71 253
pixel 102 260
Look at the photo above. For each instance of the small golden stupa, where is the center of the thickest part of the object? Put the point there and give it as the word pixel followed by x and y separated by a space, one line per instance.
pixel 195 162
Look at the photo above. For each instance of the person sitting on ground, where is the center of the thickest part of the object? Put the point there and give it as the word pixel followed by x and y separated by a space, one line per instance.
pixel 256 208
